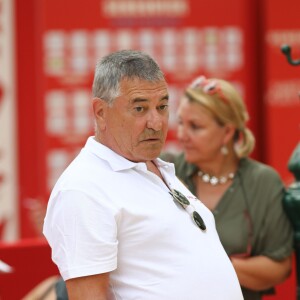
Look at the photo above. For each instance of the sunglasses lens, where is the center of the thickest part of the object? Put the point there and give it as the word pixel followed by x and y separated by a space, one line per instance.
pixel 199 221
pixel 180 198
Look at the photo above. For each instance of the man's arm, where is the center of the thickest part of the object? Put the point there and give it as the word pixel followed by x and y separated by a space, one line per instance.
pixel 89 287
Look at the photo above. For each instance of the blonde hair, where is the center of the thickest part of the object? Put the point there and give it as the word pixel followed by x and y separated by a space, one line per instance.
pixel 226 105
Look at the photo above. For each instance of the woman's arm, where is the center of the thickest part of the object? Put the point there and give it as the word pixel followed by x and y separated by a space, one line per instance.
pixel 260 272
pixel 89 287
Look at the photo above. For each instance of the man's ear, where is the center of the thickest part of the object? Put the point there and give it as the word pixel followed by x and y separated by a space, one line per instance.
pixel 99 110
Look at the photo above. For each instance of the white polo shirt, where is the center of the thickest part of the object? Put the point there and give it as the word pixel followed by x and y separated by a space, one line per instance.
pixel 108 214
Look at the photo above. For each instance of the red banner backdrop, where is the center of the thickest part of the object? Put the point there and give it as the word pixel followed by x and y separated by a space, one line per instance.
pixel 282 84
pixel 59 43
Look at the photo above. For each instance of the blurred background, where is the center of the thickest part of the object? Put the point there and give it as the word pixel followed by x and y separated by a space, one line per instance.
pixel 48 50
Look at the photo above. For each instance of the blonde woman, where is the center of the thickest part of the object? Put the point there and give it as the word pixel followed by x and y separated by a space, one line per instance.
pixel 244 195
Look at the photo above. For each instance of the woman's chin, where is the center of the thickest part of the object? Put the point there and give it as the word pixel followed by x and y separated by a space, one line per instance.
pixel 190 157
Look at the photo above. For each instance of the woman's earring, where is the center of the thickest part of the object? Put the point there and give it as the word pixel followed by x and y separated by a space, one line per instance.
pixel 224 150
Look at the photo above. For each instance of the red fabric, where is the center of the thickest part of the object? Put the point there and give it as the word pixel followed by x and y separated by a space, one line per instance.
pixel 31 261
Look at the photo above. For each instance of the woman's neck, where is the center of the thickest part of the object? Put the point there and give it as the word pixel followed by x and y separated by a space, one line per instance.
pixel 219 167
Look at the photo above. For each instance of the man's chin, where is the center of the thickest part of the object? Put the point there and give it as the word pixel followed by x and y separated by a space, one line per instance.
pixel 144 155
pixel 151 154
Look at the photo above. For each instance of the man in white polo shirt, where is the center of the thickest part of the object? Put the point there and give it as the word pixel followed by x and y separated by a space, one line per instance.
pixel 119 222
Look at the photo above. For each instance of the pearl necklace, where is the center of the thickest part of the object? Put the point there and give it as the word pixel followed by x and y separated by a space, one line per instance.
pixel 213 180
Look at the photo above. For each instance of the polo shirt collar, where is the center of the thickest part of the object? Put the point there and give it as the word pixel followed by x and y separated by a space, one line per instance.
pixel 116 161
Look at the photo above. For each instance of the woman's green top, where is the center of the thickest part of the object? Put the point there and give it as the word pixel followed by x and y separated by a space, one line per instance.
pixel 250 218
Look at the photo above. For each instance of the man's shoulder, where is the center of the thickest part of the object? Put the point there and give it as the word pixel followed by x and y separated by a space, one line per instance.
pixel 83 171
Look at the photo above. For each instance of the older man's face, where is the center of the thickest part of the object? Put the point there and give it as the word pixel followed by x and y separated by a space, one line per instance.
pixel 136 124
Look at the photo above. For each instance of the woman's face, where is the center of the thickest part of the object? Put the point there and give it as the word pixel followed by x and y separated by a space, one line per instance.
pixel 198 132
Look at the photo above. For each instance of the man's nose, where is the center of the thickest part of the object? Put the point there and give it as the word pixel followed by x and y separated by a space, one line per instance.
pixel 155 121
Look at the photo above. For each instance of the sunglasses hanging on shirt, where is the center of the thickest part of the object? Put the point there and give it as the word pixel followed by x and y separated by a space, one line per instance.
pixel 185 203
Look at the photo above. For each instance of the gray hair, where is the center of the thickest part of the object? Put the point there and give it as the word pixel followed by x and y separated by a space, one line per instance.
pixel 111 69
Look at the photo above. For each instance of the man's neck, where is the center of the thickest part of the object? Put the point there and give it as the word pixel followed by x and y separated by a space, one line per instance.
pixel 151 166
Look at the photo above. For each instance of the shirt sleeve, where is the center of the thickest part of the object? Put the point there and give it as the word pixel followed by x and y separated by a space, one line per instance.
pixel 276 234
pixel 82 233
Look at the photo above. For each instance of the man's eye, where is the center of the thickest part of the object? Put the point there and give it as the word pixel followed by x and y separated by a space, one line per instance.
pixel 139 109
pixel 163 107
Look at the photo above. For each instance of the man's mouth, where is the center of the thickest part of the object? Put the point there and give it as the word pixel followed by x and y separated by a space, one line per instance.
pixel 151 140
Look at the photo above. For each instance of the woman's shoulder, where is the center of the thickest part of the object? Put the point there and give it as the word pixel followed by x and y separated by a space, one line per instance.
pixel 258 170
